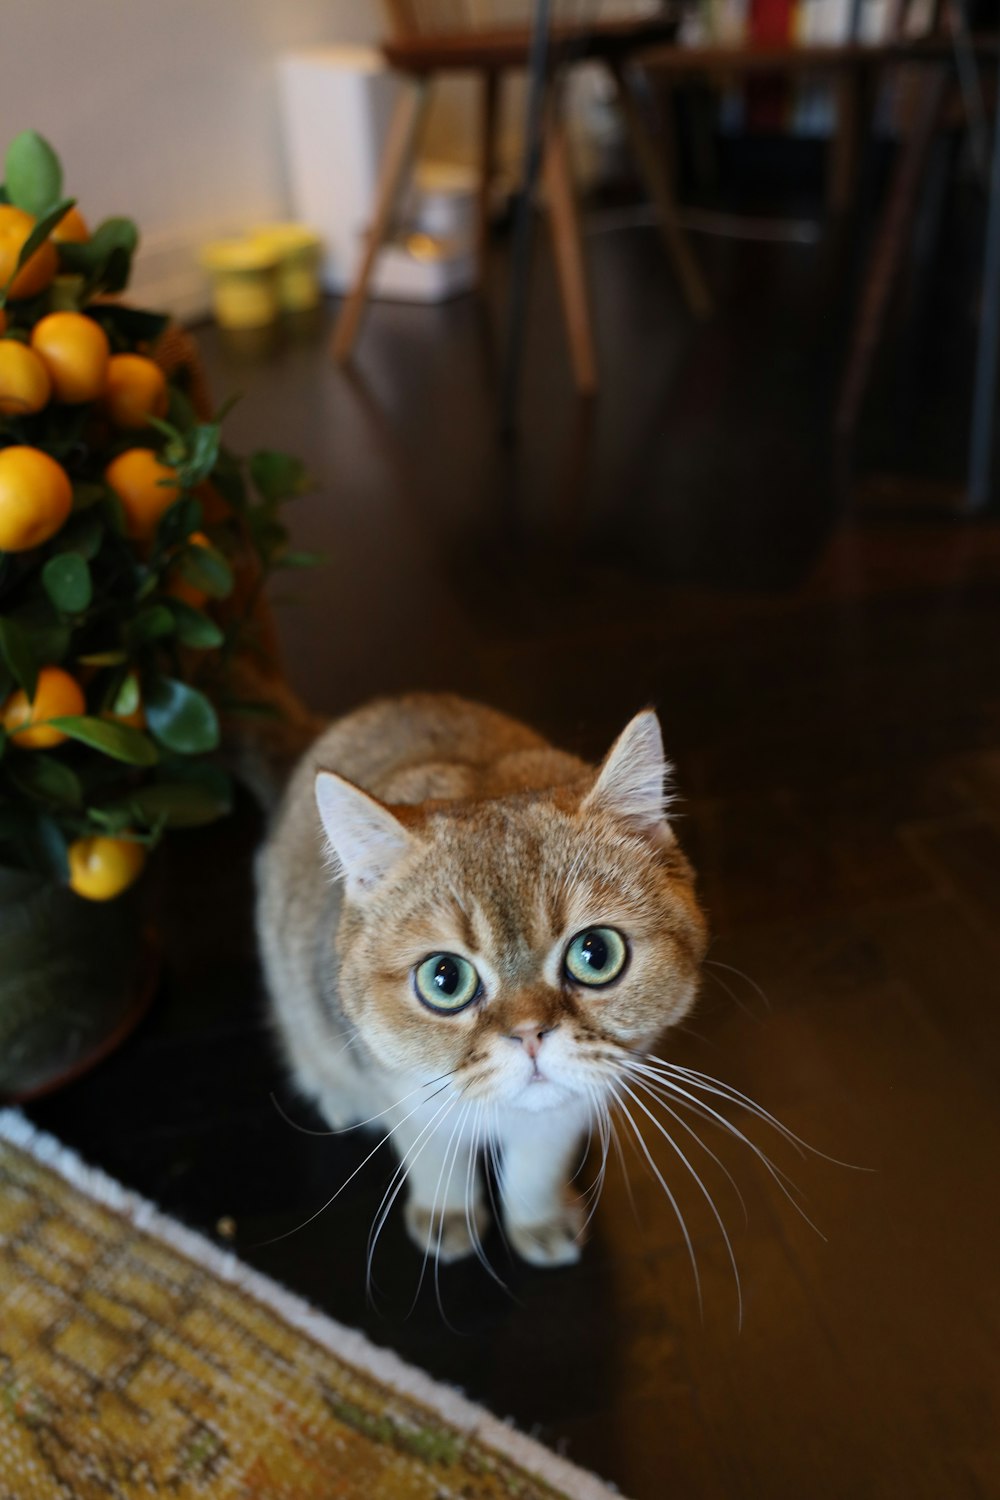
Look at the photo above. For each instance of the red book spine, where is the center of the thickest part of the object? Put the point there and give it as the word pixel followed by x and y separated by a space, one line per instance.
pixel 768 95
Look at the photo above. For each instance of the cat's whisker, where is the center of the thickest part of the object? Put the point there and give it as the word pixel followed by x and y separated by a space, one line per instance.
pixel 704 1192
pixel 747 1010
pixel 398 1179
pixel 679 1094
pixel 640 1084
pixel 623 1166
pixel 437 1188
pixel 674 1078
pixel 780 1177
pixel 716 963
pixel 478 1143
pixel 494 1176
pixel 387 1137
pixel 670 1197
pixel 453 1149
pixel 302 1129
pixel 352 1039
pixel 446 1158
pixel 604 1129
pixel 712 1085
pixel 589 1140
pixel 594 1122
pixel 360 1124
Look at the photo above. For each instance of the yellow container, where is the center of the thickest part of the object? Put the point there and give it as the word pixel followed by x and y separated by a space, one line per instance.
pixel 244 282
pixel 298 251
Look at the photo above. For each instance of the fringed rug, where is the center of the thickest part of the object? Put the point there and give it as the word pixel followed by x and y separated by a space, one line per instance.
pixel 138 1359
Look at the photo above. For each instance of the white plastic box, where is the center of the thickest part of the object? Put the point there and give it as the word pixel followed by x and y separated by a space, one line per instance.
pixel 336 105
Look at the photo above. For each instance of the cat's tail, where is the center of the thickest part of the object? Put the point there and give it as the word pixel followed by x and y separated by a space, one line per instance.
pixel 266 728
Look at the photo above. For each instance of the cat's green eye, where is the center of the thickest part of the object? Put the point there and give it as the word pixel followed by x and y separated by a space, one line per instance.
pixel 596 957
pixel 446 982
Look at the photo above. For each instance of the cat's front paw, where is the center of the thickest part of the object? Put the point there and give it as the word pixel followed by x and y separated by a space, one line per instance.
pixel 445 1236
pixel 553 1241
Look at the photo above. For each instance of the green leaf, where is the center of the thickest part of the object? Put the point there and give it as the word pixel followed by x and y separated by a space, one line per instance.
pixel 152 624
pixel 226 407
pixel 18 651
pixel 82 533
pixel 194 628
pixel 111 820
pixel 176 804
pixel 206 569
pixel 227 477
pixel 128 326
pixel 106 258
pixel 66 578
pixel 202 452
pixel 278 476
pixel 48 847
pixel 33 174
pixel 177 523
pixel 180 413
pixel 119 741
pixel 103 659
pixel 127 698
pixel 180 717
pixel 45 777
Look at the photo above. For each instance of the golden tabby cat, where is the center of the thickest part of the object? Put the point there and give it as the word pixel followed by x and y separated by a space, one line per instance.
pixel 471 937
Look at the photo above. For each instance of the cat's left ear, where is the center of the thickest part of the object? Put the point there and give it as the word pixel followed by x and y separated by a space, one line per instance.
pixel 632 783
pixel 366 840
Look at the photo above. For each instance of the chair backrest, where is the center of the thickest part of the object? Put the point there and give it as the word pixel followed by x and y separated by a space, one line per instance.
pixel 409 18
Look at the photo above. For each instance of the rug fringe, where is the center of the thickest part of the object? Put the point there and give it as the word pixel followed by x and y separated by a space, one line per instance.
pixel 342 1342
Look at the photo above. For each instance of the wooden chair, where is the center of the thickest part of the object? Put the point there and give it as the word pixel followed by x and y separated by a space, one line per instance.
pixel 855 69
pixel 434 37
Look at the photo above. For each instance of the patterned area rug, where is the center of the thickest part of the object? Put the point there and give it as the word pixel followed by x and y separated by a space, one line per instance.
pixel 138 1359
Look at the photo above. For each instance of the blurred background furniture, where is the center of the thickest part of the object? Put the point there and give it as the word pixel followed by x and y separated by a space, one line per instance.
pixel 932 59
pixel 945 65
pixel 429 38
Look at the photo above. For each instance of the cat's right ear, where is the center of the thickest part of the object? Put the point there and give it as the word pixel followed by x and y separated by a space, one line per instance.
pixel 363 836
pixel 632 783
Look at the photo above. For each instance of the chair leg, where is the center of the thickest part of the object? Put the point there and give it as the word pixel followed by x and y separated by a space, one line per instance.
pixel 653 169
pixel 397 157
pixel 566 242
pixel 887 251
pixel 845 147
pixel 490 103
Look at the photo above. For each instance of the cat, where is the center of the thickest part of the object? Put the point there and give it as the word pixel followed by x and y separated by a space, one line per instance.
pixel 471 938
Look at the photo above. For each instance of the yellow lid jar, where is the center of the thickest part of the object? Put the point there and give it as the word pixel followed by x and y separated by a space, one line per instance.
pixel 244 281
pixel 297 249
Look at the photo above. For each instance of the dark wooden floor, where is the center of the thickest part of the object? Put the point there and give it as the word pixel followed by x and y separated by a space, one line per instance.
pixel 825 654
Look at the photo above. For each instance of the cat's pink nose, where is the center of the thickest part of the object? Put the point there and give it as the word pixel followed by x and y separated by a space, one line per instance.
pixel 531 1036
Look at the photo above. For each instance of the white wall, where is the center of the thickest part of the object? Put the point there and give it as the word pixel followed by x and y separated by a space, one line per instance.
pixel 166 111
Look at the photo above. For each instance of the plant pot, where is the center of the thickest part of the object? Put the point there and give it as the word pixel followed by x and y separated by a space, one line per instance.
pixel 75 976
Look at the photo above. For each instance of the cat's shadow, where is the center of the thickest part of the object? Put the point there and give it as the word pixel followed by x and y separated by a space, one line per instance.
pixel 537 1345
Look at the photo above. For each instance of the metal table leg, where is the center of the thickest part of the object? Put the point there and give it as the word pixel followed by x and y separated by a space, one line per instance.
pixel 985 393
pixel 521 260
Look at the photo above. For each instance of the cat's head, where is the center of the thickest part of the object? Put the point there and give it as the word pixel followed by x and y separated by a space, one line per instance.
pixel 522 946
